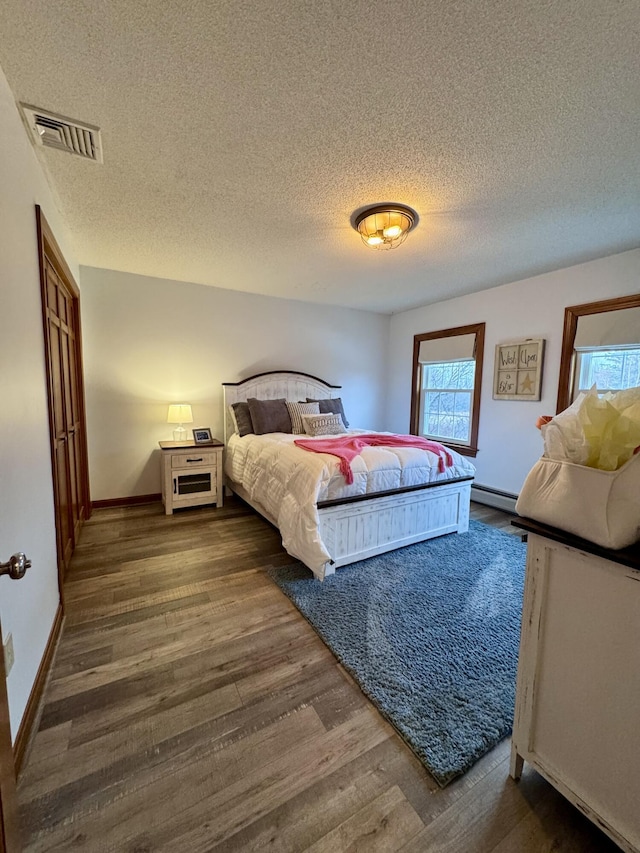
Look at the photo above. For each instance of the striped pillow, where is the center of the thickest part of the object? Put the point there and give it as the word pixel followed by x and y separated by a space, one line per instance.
pixel 323 424
pixel 296 410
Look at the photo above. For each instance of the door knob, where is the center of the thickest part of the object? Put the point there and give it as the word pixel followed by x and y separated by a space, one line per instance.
pixel 16 566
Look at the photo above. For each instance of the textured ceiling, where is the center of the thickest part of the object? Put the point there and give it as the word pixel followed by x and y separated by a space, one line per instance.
pixel 240 135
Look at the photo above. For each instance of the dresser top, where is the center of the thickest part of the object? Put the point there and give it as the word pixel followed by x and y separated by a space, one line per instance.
pixel 626 556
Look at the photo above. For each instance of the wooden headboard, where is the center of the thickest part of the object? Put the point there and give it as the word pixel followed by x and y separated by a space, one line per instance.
pixel 290 384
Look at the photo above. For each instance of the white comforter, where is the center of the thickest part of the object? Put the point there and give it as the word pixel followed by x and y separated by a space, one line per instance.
pixel 289 481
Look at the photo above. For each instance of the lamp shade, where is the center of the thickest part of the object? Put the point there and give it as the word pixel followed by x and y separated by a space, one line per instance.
pixel 180 413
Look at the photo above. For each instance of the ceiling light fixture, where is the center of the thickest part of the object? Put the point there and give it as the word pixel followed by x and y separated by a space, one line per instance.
pixel 385 226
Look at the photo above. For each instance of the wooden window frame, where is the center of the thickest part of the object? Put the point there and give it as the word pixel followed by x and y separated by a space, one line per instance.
pixel 477 329
pixel 567 358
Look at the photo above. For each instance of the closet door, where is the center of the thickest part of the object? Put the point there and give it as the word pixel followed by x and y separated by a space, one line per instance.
pixel 72 426
pixel 61 312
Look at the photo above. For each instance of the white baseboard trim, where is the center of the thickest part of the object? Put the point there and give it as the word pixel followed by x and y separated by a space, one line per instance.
pixel 493 497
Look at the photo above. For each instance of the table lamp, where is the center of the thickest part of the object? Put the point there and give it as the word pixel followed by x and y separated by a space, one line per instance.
pixel 180 413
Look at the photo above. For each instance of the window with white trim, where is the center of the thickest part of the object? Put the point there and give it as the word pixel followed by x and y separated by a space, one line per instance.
pixel 446 400
pixel 609 369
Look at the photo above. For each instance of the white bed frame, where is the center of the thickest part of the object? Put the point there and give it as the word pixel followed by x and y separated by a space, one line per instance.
pixel 356 528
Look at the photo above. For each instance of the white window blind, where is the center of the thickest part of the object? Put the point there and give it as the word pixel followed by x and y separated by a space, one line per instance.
pixel 608 329
pixel 454 348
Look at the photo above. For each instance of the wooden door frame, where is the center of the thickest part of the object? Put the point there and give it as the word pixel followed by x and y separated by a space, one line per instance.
pixel 48 248
pixel 9 825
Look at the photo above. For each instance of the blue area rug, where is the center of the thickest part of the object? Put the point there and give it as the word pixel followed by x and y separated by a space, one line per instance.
pixel 431 634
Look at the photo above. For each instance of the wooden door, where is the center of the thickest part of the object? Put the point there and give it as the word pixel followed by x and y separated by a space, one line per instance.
pixel 61 315
pixel 9 829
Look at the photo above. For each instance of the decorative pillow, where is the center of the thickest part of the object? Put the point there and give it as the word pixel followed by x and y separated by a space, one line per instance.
pixel 269 415
pixel 298 409
pixel 329 424
pixel 333 405
pixel 234 422
pixel 241 418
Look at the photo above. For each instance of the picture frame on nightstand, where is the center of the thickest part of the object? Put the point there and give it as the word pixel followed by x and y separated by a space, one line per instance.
pixel 202 435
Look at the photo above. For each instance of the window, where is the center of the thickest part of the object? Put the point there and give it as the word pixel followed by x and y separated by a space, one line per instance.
pixel 596 328
pixel 447 400
pixel 447 372
pixel 608 369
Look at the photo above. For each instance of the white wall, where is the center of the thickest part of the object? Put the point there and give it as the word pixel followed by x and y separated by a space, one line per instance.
pixel 27 607
pixel 534 308
pixel 149 342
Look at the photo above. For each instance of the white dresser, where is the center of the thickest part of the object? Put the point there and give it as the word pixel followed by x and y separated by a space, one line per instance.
pixel 577 715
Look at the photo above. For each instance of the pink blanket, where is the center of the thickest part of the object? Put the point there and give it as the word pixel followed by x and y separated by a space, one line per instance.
pixel 347 447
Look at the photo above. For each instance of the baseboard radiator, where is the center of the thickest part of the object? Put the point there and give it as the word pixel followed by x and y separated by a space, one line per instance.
pixel 494 497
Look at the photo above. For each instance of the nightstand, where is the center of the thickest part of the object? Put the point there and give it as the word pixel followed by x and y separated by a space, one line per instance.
pixel 191 474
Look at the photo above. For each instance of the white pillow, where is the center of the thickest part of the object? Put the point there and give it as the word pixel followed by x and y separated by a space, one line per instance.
pixel 232 418
pixel 296 410
pixel 323 424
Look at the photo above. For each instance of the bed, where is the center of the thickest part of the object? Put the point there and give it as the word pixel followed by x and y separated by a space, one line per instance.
pixel 397 497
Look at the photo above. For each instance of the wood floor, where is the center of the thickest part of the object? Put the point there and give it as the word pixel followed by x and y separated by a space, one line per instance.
pixel 191 708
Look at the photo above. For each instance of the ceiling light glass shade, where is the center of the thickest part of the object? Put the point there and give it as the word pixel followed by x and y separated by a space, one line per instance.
pixel 385 226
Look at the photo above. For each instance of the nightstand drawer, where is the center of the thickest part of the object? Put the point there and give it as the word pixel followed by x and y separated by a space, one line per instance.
pixel 189 460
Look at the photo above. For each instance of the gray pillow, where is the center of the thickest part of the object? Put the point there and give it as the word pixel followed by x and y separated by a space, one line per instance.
pixel 242 416
pixel 269 415
pixel 331 407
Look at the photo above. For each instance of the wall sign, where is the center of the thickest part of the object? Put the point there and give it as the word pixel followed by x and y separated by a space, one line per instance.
pixel 517 373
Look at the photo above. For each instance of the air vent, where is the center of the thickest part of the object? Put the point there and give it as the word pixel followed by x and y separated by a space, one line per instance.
pixel 64 133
